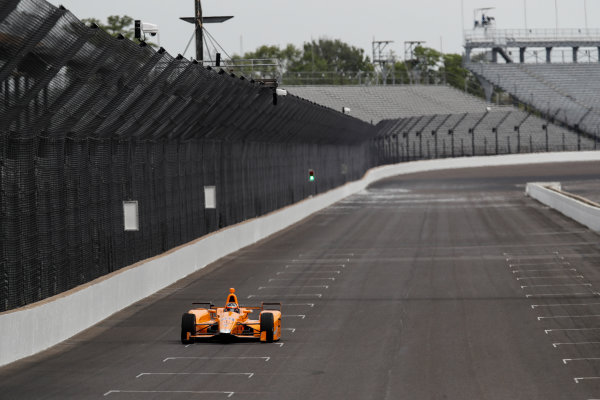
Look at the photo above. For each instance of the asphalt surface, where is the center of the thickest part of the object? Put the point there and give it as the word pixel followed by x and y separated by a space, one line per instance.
pixel 444 285
pixel 589 189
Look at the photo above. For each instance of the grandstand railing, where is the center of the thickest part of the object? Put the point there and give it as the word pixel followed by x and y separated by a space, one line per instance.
pixel 501 37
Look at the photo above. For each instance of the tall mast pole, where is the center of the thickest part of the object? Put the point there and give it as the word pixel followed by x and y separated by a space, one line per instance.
pixel 199 20
pixel 199 35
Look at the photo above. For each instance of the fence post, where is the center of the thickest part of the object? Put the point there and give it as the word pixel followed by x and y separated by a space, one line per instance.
pixel 496 138
pixel 530 144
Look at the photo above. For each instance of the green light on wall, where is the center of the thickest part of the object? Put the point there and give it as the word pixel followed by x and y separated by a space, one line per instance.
pixel 311 175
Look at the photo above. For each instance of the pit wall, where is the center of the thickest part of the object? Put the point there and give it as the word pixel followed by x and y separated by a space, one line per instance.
pixel 31 329
pixel 549 194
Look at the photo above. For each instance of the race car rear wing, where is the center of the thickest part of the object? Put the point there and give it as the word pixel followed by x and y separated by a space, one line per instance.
pixel 271 306
pixel 205 303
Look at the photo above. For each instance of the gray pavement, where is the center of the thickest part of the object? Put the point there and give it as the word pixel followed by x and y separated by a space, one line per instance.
pixel 443 285
pixel 589 189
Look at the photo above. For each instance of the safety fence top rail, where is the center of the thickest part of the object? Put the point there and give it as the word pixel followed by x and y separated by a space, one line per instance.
pixel 60 78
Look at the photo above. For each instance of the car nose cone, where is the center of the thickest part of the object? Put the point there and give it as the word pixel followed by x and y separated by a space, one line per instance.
pixel 226 324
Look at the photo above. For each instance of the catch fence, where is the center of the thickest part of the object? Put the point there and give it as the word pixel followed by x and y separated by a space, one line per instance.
pixel 88 122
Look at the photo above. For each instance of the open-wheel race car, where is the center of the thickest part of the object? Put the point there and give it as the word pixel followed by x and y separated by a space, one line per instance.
pixel 231 321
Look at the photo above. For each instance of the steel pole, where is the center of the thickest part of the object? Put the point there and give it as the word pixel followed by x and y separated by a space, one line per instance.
pixel 199 35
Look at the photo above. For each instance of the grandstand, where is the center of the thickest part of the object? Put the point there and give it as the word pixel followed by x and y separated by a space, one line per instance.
pixel 565 92
pixel 422 122
pixel 375 103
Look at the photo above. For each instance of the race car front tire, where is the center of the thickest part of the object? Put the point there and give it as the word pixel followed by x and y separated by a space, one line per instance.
pixel 267 325
pixel 188 324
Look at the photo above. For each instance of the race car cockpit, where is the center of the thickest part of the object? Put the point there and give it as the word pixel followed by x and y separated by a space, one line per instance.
pixel 232 307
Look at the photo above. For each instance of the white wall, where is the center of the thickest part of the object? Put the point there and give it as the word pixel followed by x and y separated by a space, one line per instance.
pixel 581 212
pixel 31 329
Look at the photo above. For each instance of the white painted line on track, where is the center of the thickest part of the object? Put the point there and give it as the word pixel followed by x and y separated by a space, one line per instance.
pixel 248 374
pixel 280 344
pixel 309 272
pixel 292 287
pixel 557 285
pixel 568 360
pixel 229 394
pixel 294 316
pixel 311 305
pixel 517 271
pixel 585 378
pixel 567 316
pixel 556 264
pixel 312 265
pixel 555 345
pixel 319 295
pixel 550 277
pixel 320 260
pixel 291 279
pixel 547 331
pixel 561 294
pixel 216 358
pixel 293 330
pixel 564 305
pixel 330 254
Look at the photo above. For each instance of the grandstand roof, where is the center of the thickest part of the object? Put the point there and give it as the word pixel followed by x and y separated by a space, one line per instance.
pixel 375 103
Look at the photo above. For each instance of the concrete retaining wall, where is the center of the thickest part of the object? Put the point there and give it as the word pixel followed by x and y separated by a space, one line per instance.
pixel 579 211
pixel 31 329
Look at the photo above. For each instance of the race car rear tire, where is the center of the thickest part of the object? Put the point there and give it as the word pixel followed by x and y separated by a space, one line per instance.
pixel 188 324
pixel 267 325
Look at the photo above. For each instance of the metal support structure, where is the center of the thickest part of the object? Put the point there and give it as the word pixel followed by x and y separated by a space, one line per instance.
pixel 409 55
pixel 198 30
pixel 379 59
pixel 495 129
pixel 472 131
pixel 199 20
pixel 31 42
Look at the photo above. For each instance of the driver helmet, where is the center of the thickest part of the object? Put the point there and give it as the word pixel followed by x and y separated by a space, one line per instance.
pixel 232 307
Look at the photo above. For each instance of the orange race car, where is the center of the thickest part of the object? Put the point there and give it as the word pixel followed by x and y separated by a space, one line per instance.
pixel 231 321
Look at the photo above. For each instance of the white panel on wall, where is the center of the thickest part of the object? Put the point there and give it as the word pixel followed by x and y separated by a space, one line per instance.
pixel 210 197
pixel 131 219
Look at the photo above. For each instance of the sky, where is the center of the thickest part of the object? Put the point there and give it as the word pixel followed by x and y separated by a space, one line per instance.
pixel 439 23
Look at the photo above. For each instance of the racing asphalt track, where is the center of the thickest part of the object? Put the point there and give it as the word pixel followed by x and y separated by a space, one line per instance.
pixel 442 285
